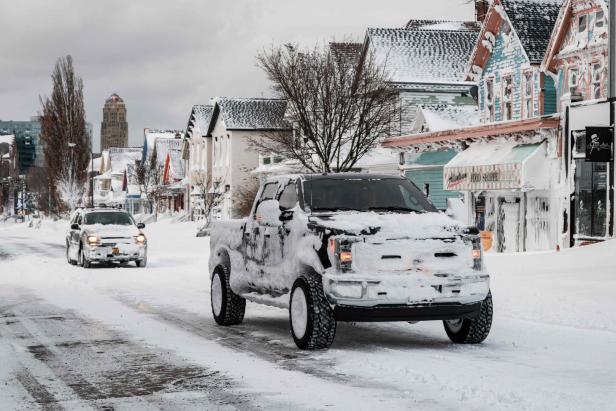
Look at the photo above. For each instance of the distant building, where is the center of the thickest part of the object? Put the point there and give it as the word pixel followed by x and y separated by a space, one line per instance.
pixel 27 135
pixel 9 159
pixel 150 136
pixel 114 128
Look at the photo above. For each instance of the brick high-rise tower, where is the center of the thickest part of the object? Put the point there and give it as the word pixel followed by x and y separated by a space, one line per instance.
pixel 114 128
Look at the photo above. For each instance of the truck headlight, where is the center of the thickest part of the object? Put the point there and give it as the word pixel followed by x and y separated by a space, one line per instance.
pixel 477 254
pixel 340 253
pixel 93 240
pixel 140 239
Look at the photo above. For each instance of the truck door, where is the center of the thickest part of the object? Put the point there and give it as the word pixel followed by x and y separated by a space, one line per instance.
pixel 254 235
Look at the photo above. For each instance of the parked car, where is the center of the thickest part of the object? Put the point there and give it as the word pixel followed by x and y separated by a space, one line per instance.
pixel 350 247
pixel 102 235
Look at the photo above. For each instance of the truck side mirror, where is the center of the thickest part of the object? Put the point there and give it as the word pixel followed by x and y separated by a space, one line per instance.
pixel 74 226
pixel 140 225
pixel 268 213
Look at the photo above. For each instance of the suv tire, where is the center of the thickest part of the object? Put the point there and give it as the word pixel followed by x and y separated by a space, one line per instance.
pixel 83 260
pixel 311 318
pixel 471 330
pixel 228 308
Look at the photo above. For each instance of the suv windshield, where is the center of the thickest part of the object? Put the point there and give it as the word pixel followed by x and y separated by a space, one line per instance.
pixel 365 194
pixel 107 218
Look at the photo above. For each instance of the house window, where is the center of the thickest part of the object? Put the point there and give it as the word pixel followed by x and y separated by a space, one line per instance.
pixel 489 99
pixel 528 94
pixel 277 159
pixel 267 161
pixel 582 23
pixel 573 81
pixel 596 80
pixel 599 19
pixel 507 98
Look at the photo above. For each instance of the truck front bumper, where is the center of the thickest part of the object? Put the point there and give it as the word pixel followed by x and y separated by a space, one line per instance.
pixel 443 311
pixel 406 290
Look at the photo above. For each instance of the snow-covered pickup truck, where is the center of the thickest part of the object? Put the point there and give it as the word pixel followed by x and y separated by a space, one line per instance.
pixel 350 247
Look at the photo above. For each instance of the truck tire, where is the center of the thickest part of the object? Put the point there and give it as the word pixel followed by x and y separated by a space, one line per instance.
pixel 310 316
pixel 227 307
pixel 83 260
pixel 471 330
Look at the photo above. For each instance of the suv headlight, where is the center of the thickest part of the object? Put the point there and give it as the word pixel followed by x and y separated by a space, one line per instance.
pixel 93 240
pixel 140 239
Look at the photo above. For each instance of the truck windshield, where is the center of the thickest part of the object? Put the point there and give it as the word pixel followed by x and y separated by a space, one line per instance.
pixel 107 218
pixel 365 194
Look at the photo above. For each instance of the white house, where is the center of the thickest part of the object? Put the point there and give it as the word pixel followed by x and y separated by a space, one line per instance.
pixel 197 153
pixel 235 122
pixel 115 186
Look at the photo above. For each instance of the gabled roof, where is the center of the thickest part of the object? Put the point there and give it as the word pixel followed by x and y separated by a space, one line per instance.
pixel 166 146
pixel 250 114
pixel 151 135
pixel 560 31
pixel 531 20
pixel 200 116
pixel 435 55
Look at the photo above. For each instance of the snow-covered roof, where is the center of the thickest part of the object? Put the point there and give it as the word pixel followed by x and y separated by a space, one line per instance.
pixel 8 139
pixel 121 157
pixel 442 25
pixel 151 135
pixel 95 164
pixel 350 53
pixel 251 113
pixel 200 116
pixel 533 21
pixel 445 117
pixel 437 55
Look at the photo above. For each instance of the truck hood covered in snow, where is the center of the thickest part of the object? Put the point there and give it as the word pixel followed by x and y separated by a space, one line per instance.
pixel 392 225
pixel 112 230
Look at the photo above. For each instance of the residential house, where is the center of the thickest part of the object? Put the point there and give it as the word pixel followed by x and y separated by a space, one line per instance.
pixel 116 185
pixel 197 152
pixel 426 61
pixel 507 167
pixel 235 122
pixel 168 154
pixel 577 58
pixel 151 135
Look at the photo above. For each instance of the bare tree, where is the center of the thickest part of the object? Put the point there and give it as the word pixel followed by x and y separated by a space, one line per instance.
pixel 209 189
pixel 339 107
pixel 65 140
pixel 244 196
pixel 148 175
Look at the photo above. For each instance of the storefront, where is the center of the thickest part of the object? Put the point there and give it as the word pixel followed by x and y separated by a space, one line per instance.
pixel 507 192
pixel 590 171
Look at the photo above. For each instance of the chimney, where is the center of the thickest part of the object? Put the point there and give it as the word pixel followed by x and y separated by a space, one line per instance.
pixel 481 9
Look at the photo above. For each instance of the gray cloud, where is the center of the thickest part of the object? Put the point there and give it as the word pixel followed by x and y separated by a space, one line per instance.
pixel 164 56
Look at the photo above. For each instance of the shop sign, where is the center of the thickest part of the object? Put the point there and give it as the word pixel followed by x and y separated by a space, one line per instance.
pixel 599 144
pixel 492 177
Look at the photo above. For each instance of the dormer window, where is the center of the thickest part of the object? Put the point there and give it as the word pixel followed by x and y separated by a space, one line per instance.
pixel 507 98
pixel 582 23
pixel 489 99
pixel 528 94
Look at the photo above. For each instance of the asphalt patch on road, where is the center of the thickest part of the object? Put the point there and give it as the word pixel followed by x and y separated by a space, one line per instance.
pixel 105 369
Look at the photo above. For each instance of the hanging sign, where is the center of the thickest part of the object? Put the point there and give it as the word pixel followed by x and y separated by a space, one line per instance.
pixel 599 144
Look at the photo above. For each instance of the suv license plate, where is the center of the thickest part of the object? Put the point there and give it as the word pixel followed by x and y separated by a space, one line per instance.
pixel 115 250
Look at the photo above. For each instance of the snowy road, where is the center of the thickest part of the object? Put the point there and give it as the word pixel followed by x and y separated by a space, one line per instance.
pixel 129 338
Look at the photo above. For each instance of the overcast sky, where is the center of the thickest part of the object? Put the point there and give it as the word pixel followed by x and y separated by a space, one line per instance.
pixel 162 57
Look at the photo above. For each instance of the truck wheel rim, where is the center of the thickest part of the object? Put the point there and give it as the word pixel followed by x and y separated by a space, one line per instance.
pixel 216 295
pixel 454 325
pixel 299 312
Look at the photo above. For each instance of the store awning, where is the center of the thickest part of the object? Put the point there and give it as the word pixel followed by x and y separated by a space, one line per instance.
pixel 498 166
